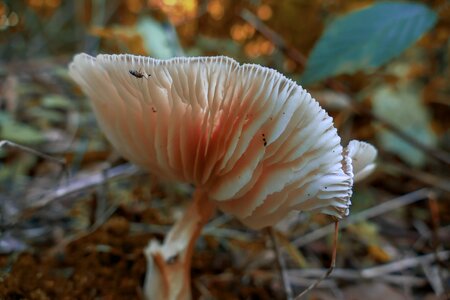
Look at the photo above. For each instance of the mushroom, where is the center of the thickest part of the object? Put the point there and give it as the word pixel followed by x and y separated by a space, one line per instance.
pixel 252 142
pixel 362 157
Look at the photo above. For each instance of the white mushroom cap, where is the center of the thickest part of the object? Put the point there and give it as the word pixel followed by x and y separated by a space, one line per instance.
pixel 255 141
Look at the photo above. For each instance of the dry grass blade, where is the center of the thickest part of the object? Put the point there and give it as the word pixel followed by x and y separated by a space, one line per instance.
pixel 355 275
pixel 9 144
pixel 432 152
pixel 76 187
pixel 274 37
pixel 333 264
pixel 378 210
pixel 281 264
pixel 403 264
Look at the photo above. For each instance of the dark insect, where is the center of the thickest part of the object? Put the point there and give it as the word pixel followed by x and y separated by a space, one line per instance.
pixel 139 74
pixel 264 139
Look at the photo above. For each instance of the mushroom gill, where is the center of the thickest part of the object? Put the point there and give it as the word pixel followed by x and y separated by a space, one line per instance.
pixel 253 143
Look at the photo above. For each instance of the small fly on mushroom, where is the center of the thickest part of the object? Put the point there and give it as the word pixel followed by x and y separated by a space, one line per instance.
pixel 139 74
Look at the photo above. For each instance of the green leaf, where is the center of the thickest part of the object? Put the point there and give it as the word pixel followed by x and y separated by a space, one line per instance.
pixel 56 102
pixel 403 108
pixel 160 39
pixel 20 133
pixel 367 38
pixel 46 115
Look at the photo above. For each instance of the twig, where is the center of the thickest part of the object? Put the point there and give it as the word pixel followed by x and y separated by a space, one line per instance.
pixel 5 143
pixel 359 109
pixel 218 221
pixel 101 201
pixel 333 264
pixel 432 273
pixel 12 145
pixel 99 222
pixel 436 242
pixel 364 215
pixel 355 275
pixel 59 161
pixel 403 264
pixel 226 233
pixel 204 292
pixel 105 212
pixel 427 178
pixel 78 187
pixel 300 282
pixel 87 183
pixel 382 272
pixel 281 264
pixel 432 152
pixel 274 37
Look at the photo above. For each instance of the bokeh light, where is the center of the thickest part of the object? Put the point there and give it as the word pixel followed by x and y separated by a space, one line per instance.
pixel 7 18
pixel 216 9
pixel 242 32
pixel 264 12
pixel 178 11
pixel 135 6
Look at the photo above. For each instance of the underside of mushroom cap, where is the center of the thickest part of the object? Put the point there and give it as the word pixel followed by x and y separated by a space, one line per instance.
pixel 257 142
pixel 363 156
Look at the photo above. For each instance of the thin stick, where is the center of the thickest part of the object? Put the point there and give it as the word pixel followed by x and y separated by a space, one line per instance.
pixel 274 37
pixel 333 264
pixel 353 276
pixel 102 199
pixel 433 180
pixel 384 207
pixel 85 184
pixel 59 161
pixel 76 187
pixel 403 264
pixel 381 271
pixel 430 151
pixel 359 109
pixel 436 243
pixel 72 238
pixel 12 145
pixel 281 265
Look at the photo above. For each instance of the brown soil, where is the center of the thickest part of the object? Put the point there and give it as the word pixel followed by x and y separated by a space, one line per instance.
pixel 109 264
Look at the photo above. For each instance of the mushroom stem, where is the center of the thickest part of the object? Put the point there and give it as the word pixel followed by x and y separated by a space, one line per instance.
pixel 168 264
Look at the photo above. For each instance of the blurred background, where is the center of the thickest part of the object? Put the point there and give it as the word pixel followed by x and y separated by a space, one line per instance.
pixel 77 230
